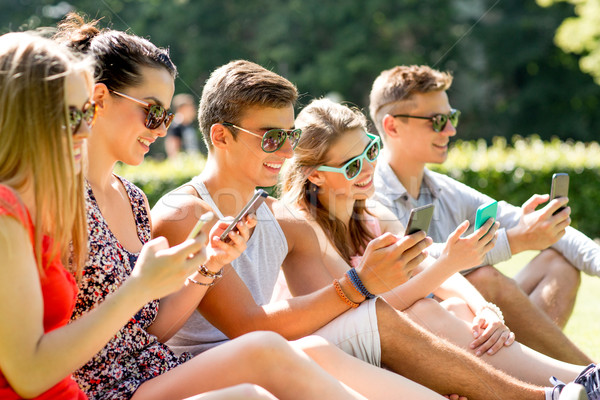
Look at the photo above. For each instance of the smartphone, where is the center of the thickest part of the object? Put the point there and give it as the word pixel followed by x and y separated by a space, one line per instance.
pixel 485 212
pixel 559 187
pixel 204 218
pixel 419 219
pixel 251 207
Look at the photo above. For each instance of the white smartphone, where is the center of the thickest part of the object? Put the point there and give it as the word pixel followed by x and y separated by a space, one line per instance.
pixel 204 218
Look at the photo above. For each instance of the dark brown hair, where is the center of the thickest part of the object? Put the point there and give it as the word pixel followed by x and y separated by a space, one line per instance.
pixel 119 56
pixel 237 85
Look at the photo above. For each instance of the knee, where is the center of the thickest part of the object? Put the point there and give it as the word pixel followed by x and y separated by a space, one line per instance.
pixel 266 347
pixel 492 284
pixel 429 314
pixel 558 268
pixel 455 305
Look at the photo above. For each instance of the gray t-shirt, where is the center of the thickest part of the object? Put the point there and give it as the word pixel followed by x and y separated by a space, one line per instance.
pixel 268 244
pixel 455 202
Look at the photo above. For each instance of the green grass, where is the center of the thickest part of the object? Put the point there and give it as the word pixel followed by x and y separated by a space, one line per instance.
pixel 584 326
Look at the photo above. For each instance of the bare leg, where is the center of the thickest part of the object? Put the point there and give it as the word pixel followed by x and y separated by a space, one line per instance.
pixel 260 358
pixel 517 360
pixel 244 391
pixel 531 325
pixel 551 283
pixel 417 354
pixel 370 381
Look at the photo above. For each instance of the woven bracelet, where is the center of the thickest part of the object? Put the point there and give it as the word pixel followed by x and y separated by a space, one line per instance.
pixel 202 270
pixel 340 292
pixel 353 275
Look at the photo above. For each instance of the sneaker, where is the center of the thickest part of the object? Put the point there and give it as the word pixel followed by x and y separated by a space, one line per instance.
pixel 589 378
pixel 573 391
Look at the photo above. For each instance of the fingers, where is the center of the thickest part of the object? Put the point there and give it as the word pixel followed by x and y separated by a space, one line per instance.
pixel 458 232
pixel 533 202
pixel 382 241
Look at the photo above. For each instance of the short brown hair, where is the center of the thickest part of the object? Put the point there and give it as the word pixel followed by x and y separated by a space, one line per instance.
pixel 400 83
pixel 235 86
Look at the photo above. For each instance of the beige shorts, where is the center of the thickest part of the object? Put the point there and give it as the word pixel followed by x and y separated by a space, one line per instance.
pixel 356 333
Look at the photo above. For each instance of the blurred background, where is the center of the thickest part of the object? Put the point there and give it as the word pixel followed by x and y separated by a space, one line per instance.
pixel 513 61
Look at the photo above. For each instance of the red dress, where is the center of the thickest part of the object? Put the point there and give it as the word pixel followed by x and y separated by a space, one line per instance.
pixel 59 290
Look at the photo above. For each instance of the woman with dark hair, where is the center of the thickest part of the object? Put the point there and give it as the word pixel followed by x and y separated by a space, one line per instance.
pixel 133 90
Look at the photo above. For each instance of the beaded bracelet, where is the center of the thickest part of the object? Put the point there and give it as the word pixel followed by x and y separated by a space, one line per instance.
pixel 353 287
pixel 202 270
pixel 495 309
pixel 353 275
pixel 201 283
pixel 340 292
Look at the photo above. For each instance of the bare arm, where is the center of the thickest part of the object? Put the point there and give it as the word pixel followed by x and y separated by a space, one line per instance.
pixel 174 222
pixel 33 361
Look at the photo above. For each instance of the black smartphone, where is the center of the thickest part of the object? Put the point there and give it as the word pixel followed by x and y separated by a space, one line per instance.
pixel 419 219
pixel 204 218
pixel 251 207
pixel 559 187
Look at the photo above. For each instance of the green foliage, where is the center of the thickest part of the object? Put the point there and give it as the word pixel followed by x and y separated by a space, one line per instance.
pixel 509 75
pixel 581 34
pixel 505 171
pixel 156 178
pixel 517 171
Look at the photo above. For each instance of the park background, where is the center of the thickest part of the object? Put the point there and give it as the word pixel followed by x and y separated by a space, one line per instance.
pixel 526 80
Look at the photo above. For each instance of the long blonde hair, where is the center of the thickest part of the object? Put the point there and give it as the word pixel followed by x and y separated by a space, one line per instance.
pixel 37 150
pixel 323 122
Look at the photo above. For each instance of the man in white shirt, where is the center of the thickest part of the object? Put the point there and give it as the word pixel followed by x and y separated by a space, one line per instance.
pixel 411 111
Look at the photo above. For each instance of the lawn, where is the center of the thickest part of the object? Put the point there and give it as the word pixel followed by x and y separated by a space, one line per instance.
pixel 584 326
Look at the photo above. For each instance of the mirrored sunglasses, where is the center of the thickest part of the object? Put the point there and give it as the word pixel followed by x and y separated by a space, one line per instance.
pixel 438 121
pixel 353 167
pixel 155 114
pixel 87 114
pixel 273 139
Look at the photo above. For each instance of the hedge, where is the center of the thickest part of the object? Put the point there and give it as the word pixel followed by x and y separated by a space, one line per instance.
pixel 509 171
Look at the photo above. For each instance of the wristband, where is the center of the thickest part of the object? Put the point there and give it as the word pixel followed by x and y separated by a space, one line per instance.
pixel 353 275
pixel 201 283
pixel 202 270
pixel 340 292
pixel 494 308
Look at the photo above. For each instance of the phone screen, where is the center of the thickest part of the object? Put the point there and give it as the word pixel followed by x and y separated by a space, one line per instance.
pixel 419 219
pixel 559 187
pixel 251 207
pixel 485 212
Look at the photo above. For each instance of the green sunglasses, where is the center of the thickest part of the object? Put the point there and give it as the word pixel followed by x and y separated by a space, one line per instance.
pixel 353 167
pixel 438 121
pixel 273 139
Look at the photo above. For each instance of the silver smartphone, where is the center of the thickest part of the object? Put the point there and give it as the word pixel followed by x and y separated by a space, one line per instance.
pixel 419 219
pixel 559 187
pixel 251 207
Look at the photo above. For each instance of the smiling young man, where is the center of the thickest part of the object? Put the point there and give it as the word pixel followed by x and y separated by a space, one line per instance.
pixel 247 117
pixel 412 113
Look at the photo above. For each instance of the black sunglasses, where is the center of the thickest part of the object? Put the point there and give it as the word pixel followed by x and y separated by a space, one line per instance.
pixel 273 139
pixel 439 120
pixel 87 114
pixel 155 114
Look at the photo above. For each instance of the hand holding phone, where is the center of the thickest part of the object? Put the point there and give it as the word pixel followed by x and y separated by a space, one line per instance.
pixel 420 219
pixel 559 188
pixel 204 218
pixel 485 212
pixel 251 207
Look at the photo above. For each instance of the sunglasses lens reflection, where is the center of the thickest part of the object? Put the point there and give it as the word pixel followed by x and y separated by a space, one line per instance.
pixel 353 169
pixel 373 151
pixel 273 140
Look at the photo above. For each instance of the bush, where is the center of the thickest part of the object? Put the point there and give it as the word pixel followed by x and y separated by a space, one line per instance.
pixel 511 172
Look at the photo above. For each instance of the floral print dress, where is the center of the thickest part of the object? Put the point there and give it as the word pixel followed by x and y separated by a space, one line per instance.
pixel 132 356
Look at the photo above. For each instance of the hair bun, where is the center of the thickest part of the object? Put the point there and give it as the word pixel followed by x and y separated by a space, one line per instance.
pixel 76 33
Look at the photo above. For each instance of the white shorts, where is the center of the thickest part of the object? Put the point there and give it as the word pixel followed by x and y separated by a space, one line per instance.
pixel 356 333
